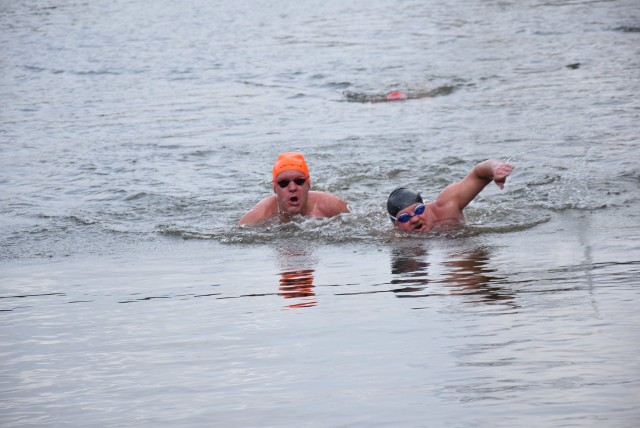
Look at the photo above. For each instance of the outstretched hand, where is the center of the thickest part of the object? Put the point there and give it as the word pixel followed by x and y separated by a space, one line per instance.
pixel 501 171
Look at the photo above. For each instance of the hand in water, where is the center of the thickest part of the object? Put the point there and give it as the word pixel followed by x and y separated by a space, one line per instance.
pixel 500 173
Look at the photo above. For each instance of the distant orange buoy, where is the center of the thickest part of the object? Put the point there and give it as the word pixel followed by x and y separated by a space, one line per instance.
pixel 396 96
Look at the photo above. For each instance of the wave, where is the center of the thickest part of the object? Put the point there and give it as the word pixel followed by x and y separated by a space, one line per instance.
pixel 628 29
pixel 355 227
pixel 103 72
pixel 411 94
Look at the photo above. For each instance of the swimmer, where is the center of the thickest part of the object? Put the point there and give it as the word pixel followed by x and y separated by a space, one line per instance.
pixel 291 184
pixel 396 96
pixel 408 212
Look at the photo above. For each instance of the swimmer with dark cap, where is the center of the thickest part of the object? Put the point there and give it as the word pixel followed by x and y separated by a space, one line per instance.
pixel 291 185
pixel 408 212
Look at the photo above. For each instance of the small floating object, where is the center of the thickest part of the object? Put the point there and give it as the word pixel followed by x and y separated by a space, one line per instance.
pixel 396 96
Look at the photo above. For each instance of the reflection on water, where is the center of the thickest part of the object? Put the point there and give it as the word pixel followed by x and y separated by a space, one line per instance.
pixel 298 284
pixel 295 264
pixel 468 273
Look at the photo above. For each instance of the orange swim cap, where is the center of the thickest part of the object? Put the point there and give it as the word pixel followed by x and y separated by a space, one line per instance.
pixel 290 161
pixel 396 96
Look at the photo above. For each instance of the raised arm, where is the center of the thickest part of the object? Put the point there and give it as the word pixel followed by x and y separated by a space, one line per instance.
pixel 460 194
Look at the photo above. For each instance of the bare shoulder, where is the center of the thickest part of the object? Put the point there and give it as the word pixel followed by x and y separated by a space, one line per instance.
pixel 268 207
pixel 328 205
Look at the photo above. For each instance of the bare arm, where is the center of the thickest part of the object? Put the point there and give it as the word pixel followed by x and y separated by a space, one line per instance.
pixel 460 194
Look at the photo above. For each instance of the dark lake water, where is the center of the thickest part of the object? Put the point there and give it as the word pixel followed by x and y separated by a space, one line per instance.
pixel 133 136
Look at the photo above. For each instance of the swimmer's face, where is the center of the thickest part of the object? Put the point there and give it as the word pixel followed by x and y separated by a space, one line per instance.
pixel 292 189
pixel 418 222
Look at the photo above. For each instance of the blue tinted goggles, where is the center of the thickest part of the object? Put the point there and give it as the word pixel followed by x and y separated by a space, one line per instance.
pixel 405 217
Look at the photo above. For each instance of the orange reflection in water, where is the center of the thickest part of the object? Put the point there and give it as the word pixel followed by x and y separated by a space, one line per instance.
pixel 298 284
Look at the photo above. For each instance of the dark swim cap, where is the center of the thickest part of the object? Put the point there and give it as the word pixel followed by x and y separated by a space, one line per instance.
pixel 401 198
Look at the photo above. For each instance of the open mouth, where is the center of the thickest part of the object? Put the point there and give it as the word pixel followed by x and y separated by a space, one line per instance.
pixel 293 200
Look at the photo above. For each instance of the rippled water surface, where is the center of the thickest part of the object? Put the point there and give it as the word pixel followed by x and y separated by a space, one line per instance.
pixel 134 135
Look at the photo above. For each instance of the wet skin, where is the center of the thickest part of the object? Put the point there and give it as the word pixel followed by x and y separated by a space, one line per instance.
pixel 291 199
pixel 432 217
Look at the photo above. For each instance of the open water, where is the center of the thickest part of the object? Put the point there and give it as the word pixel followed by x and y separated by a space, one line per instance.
pixel 133 136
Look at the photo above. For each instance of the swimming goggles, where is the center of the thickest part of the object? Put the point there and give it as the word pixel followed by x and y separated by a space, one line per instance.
pixel 285 183
pixel 405 217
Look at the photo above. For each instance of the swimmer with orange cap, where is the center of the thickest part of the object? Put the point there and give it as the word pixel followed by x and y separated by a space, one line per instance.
pixel 291 185
pixel 408 212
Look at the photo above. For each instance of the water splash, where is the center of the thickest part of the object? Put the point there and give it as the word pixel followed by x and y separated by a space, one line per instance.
pixel 411 94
